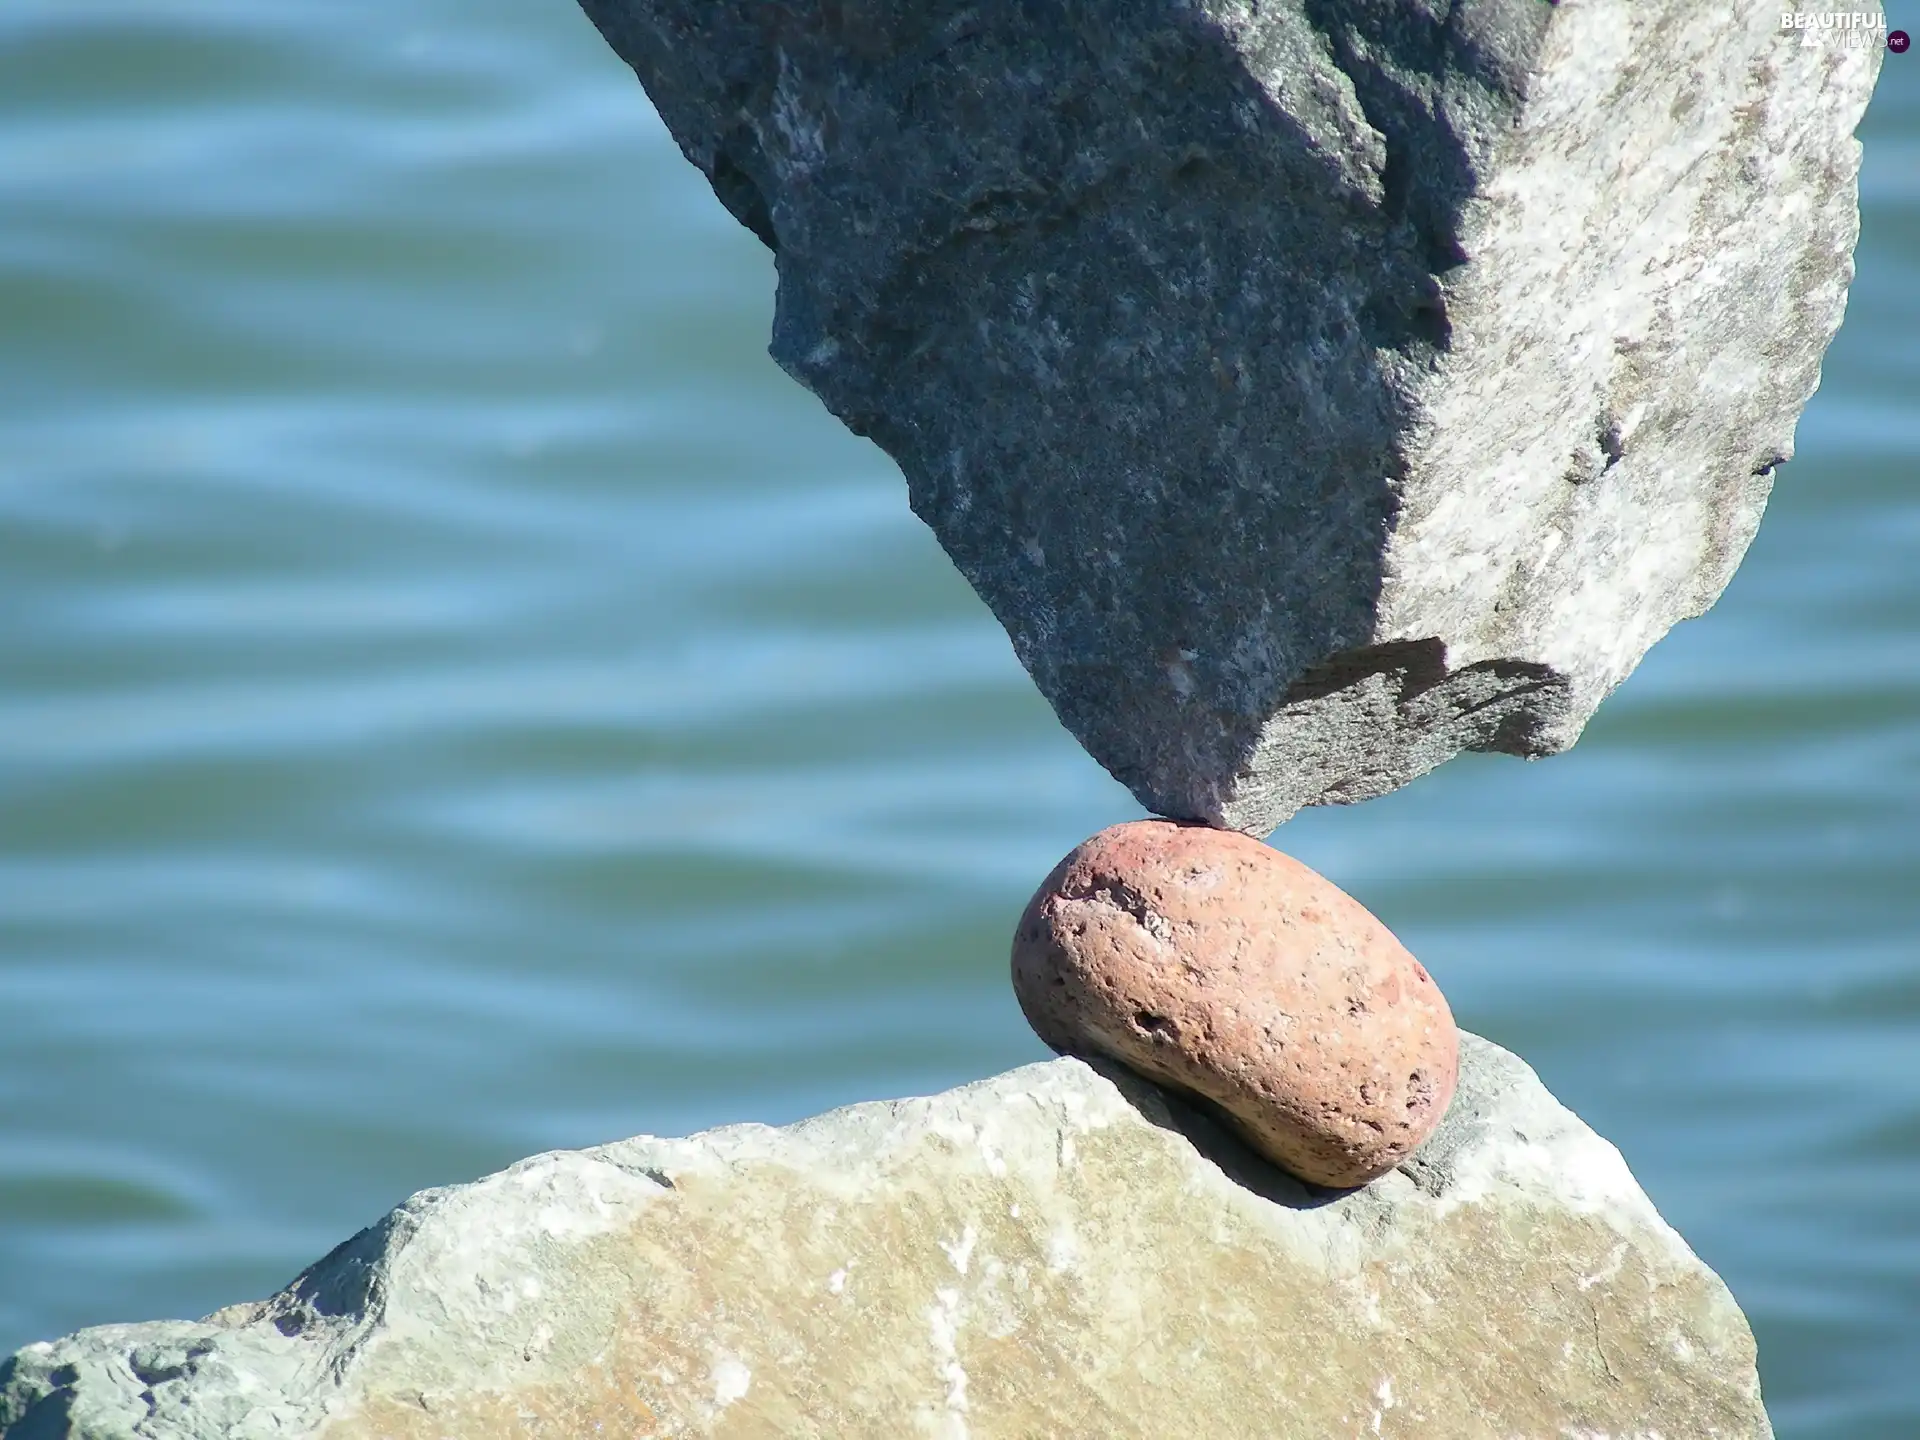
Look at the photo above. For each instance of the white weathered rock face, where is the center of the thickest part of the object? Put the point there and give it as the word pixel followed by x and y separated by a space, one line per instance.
pixel 1314 388
pixel 1041 1254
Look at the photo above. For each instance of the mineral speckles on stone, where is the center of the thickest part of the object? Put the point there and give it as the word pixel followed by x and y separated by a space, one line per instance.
pixel 1209 962
pixel 1314 389
pixel 1141 1293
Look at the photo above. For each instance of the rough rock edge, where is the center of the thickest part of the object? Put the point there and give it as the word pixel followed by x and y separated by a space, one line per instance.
pixel 1449 439
pixel 283 1366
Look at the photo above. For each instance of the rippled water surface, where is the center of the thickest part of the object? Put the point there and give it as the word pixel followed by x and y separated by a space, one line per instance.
pixel 458 699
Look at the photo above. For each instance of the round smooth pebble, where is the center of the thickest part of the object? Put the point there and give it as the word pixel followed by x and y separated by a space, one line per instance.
pixel 1209 962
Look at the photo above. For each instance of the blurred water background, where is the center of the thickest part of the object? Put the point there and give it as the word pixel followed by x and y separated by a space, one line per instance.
pixel 458 699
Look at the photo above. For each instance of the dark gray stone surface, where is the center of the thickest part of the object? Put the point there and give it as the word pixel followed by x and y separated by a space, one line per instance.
pixel 1313 388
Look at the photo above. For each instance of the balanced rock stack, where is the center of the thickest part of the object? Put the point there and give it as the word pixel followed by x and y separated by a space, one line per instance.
pixel 1314 389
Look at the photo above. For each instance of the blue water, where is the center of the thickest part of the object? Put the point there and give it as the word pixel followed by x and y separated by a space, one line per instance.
pixel 458 699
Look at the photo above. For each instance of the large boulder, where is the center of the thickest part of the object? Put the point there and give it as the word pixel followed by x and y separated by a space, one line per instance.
pixel 1313 388
pixel 1047 1253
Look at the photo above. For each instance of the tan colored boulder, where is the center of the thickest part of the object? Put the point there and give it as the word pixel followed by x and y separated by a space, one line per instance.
pixel 1212 963
pixel 1045 1255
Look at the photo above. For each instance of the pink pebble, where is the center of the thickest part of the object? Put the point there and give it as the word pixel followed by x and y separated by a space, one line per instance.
pixel 1209 962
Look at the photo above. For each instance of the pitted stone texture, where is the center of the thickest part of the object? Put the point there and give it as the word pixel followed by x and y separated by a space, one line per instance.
pixel 1041 1254
pixel 1313 388
pixel 1207 961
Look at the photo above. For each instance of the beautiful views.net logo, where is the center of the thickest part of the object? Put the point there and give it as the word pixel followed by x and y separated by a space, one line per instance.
pixel 1856 29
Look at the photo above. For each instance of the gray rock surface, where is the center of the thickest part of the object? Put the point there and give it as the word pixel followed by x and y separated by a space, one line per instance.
pixel 1046 1253
pixel 1313 388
